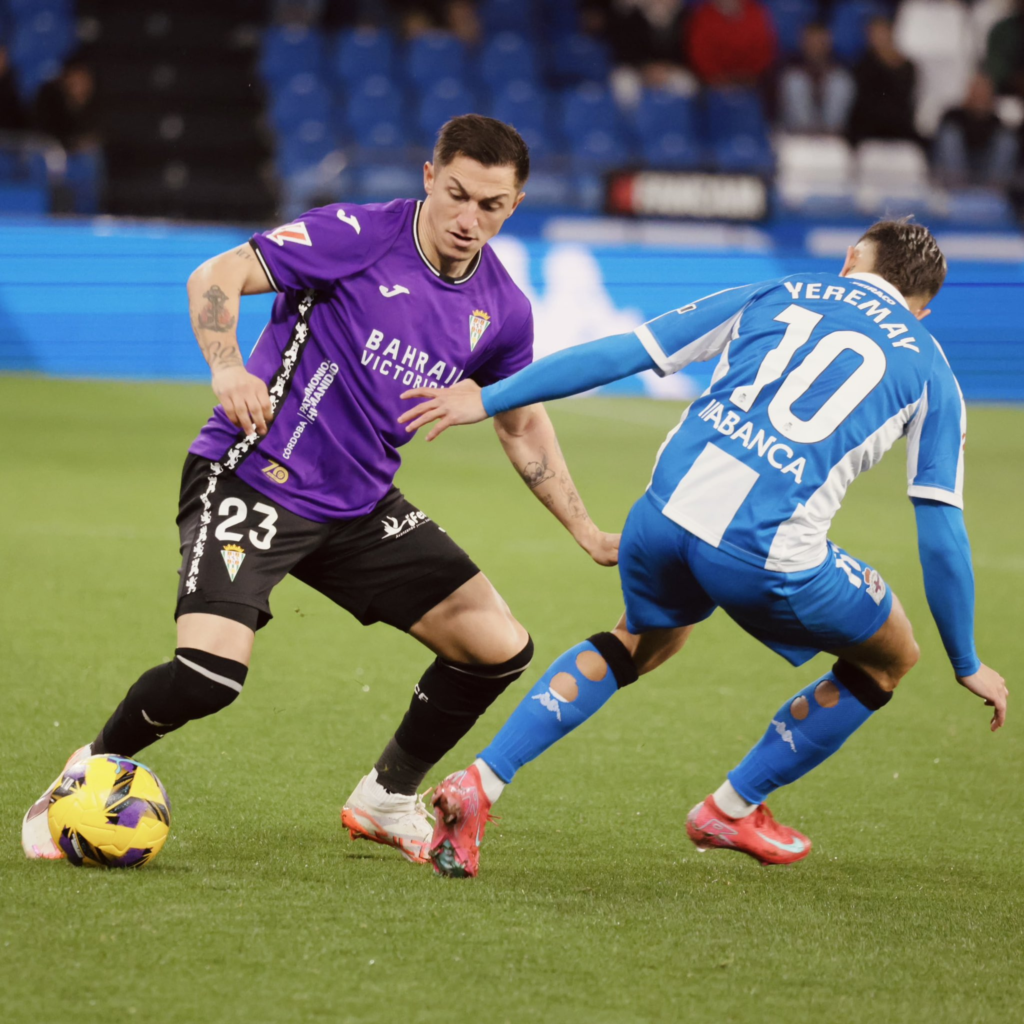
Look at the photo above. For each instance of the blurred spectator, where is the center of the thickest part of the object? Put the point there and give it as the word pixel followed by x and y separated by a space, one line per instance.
pixel 731 42
pixel 646 37
pixel 885 80
pixel 463 21
pixel 972 146
pixel 66 107
pixel 936 36
pixel 12 114
pixel 1004 55
pixel 815 91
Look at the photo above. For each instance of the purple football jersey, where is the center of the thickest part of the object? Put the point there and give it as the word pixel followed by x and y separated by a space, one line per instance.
pixel 362 316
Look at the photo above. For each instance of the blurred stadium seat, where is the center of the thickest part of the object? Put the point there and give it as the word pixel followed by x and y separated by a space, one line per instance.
pixel 737 131
pixel 362 52
pixel 433 56
pixel 790 18
pixel 507 57
pixel 445 99
pixel 666 126
pixel 290 49
pixel 849 23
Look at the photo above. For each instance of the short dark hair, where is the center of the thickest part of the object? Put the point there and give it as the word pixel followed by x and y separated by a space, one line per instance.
pixel 907 256
pixel 484 139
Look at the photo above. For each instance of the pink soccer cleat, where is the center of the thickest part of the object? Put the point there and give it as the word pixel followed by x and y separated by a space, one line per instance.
pixel 36 840
pixel 758 835
pixel 461 815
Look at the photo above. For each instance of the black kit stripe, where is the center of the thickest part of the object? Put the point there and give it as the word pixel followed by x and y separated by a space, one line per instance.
pixel 263 263
pixel 279 387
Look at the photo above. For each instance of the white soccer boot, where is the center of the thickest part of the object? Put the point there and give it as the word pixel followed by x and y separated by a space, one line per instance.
pixel 371 812
pixel 36 840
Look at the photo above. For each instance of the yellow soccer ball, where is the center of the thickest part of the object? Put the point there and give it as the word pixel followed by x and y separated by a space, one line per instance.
pixel 110 812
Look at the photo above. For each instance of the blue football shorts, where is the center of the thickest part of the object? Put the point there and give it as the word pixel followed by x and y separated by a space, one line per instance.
pixel 671 578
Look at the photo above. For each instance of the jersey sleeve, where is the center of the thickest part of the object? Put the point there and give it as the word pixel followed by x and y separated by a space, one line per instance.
pixel 322 246
pixel 935 438
pixel 515 354
pixel 695 332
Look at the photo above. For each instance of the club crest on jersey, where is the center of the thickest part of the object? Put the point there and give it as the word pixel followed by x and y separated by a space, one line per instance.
pixel 233 555
pixel 276 472
pixel 479 321
pixel 876 585
pixel 296 233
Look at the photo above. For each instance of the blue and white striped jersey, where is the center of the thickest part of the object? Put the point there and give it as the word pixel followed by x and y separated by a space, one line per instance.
pixel 817 377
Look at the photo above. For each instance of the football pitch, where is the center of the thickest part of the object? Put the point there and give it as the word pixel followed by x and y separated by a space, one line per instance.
pixel 591 904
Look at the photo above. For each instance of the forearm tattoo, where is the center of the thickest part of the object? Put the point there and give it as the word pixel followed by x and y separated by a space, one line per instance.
pixel 215 316
pixel 536 473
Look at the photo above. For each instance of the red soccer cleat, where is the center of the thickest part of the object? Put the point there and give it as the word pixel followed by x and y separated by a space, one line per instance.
pixel 461 814
pixel 758 834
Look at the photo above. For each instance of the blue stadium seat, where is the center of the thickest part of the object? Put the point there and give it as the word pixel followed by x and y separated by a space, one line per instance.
pixel 601 147
pixel 508 16
pixel 790 18
pixel 374 114
pixel 305 147
pixel 361 53
pixel 588 108
pixel 667 128
pixel 290 49
pixel 849 27
pixel 433 56
pixel 46 35
pixel 446 99
pixel 507 57
pixel 302 98
pixel 737 130
pixel 525 107
pixel 578 58
pixel 22 10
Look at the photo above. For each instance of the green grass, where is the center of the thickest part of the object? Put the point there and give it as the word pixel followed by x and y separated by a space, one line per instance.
pixel 591 905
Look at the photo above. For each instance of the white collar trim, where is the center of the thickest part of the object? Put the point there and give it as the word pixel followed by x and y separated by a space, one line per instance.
pixel 473 267
pixel 880 282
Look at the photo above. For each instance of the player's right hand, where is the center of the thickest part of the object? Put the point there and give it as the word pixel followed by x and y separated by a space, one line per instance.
pixel 244 398
pixel 988 684
pixel 451 407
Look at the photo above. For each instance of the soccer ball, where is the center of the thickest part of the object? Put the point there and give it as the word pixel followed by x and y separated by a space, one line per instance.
pixel 109 812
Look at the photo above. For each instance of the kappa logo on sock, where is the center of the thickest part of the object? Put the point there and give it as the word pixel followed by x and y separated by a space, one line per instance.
pixel 786 734
pixel 550 701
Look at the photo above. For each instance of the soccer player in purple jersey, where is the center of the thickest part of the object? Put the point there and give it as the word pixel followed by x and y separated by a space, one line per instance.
pixel 293 473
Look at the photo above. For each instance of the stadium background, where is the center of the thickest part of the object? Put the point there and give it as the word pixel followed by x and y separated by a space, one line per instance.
pixel 206 121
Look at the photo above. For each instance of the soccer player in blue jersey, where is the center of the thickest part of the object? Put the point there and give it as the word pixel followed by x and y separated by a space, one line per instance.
pixel 293 473
pixel 817 376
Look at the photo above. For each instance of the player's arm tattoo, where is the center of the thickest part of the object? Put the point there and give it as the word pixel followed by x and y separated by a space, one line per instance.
pixel 214 315
pixel 535 473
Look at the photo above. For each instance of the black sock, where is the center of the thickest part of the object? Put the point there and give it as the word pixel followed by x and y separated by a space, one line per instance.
pixel 445 705
pixel 192 685
pixel 399 772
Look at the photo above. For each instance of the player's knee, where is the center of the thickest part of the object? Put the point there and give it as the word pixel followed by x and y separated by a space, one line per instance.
pixel 873 691
pixel 197 684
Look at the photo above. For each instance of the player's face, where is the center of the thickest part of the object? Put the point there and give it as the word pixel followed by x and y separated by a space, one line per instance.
pixel 467 205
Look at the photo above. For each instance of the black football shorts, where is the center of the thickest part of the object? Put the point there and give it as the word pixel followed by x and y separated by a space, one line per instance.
pixel 391 565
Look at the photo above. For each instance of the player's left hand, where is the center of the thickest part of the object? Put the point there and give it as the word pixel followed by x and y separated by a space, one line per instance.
pixel 988 684
pixel 451 407
pixel 602 547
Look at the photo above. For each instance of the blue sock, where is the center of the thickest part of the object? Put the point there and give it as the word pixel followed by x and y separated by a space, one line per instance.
pixel 806 730
pixel 577 684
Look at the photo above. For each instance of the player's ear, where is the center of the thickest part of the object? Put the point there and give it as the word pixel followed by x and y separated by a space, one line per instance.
pixel 428 177
pixel 922 313
pixel 850 261
pixel 519 198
